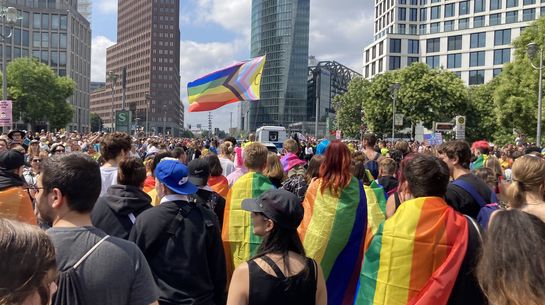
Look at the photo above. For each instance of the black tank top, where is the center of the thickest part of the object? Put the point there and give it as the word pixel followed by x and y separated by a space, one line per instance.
pixel 268 289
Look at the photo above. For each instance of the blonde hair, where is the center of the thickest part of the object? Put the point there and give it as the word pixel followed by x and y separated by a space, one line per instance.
pixel 290 145
pixel 227 148
pixel 274 168
pixel 255 156
pixel 494 164
pixel 528 177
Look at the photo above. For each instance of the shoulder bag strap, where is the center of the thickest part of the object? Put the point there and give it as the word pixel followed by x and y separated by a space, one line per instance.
pixel 476 226
pixel 471 190
pixel 90 251
pixel 183 211
pixel 274 266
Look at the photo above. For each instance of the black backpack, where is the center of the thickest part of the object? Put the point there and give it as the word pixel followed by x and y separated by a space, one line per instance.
pixel 69 284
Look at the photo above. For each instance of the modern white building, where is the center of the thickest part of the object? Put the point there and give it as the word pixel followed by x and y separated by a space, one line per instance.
pixel 472 38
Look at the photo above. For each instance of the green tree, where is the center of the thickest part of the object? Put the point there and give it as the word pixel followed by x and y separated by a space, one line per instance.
pixel 96 122
pixel 348 107
pixel 482 122
pixel 38 93
pixel 186 133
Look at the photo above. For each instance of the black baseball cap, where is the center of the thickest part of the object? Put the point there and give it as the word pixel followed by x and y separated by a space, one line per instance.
pixel 11 159
pixel 283 207
pixel 199 171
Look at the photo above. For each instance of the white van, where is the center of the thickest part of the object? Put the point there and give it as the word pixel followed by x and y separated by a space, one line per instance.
pixel 272 134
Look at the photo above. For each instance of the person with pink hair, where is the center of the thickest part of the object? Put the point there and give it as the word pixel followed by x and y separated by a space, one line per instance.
pixel 480 149
pixel 240 169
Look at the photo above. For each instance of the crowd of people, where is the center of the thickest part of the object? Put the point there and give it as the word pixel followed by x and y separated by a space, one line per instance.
pixel 113 219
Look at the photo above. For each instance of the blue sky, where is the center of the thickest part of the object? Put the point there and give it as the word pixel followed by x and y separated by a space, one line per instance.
pixel 215 33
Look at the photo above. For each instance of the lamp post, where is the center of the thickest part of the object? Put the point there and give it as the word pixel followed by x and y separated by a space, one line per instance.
pixel 148 99
pixel 533 48
pixel 9 17
pixel 112 77
pixel 164 120
pixel 394 89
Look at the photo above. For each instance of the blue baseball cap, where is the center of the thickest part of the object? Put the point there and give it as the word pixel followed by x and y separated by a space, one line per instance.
pixel 175 176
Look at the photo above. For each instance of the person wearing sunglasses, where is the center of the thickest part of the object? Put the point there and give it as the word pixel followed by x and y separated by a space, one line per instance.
pixel 57 148
pixel 31 173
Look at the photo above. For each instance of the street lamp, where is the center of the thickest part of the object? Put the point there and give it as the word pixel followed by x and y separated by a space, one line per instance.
pixel 112 77
pixel 394 89
pixel 165 120
pixel 533 48
pixel 149 97
pixel 9 17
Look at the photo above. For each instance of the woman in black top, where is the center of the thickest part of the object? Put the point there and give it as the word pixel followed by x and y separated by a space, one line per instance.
pixel 280 273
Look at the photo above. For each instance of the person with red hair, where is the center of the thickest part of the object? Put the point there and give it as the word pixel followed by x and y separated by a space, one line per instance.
pixel 480 150
pixel 334 223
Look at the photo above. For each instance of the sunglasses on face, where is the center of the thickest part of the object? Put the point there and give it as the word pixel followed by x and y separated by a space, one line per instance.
pixel 37 160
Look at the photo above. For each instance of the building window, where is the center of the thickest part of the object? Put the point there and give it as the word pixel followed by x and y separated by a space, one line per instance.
pixel 412 29
pixel 478 21
pixel 511 17
pixel 432 61
pixel 463 24
pixel 512 3
pixel 380 61
pixel 448 26
pixel 423 14
pixel 412 60
pixel 495 4
pixel 529 2
pixel 480 6
pixel 380 48
pixel 402 14
pixel 495 19
pixel 395 45
pixel 463 8
pixel 455 43
pixel 476 77
pixel 454 61
pixel 433 45
pixel 476 59
pixel 422 29
pixel 413 46
pixel 435 27
pixel 395 62
pixel 478 40
pixel 502 56
pixel 449 10
pixel 496 72
pixel 435 12
pixel 413 14
pixel 502 37
pixel 529 14
pixel 401 28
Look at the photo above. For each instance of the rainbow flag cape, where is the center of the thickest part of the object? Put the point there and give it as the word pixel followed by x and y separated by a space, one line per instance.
pixel 239 241
pixel 15 204
pixel 332 232
pixel 415 255
pixel 238 82
pixel 376 210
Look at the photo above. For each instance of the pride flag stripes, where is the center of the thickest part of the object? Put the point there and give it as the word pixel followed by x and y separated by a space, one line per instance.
pixel 238 82
pixel 415 256
pixel 376 210
pixel 239 241
pixel 332 232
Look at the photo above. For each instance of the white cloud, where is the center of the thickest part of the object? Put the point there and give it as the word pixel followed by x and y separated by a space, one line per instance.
pixel 107 6
pixel 233 15
pixel 98 58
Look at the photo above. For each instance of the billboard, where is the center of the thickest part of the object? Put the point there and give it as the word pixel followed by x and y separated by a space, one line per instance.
pixel 5 113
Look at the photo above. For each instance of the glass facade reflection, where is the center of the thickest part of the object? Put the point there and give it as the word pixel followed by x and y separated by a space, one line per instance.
pixel 280 29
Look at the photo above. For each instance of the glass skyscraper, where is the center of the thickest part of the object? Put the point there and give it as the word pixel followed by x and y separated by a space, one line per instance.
pixel 280 30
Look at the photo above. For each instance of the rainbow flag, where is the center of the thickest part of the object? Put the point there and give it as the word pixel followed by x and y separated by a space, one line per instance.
pixel 238 82
pixel 15 204
pixel 376 210
pixel 239 241
pixel 332 232
pixel 415 255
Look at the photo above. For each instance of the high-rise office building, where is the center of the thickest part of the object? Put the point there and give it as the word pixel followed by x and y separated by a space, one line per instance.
pixel 148 46
pixel 471 38
pixel 280 29
pixel 58 33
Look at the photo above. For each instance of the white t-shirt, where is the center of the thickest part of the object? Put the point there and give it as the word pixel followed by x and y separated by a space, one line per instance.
pixel 227 165
pixel 109 178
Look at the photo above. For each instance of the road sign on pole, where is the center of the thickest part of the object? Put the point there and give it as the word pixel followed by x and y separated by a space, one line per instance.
pixel 123 121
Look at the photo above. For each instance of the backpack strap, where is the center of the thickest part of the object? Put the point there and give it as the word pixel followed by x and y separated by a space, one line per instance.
pixel 376 157
pixel 90 251
pixel 132 217
pixel 183 211
pixel 471 190
pixel 476 226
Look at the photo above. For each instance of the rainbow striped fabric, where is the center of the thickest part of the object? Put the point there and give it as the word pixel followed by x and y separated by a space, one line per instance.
pixel 332 232
pixel 415 255
pixel 376 210
pixel 239 241
pixel 238 82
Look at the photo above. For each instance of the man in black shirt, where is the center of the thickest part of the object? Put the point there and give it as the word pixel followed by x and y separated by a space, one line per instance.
pixel 457 155
pixel 199 172
pixel 182 242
